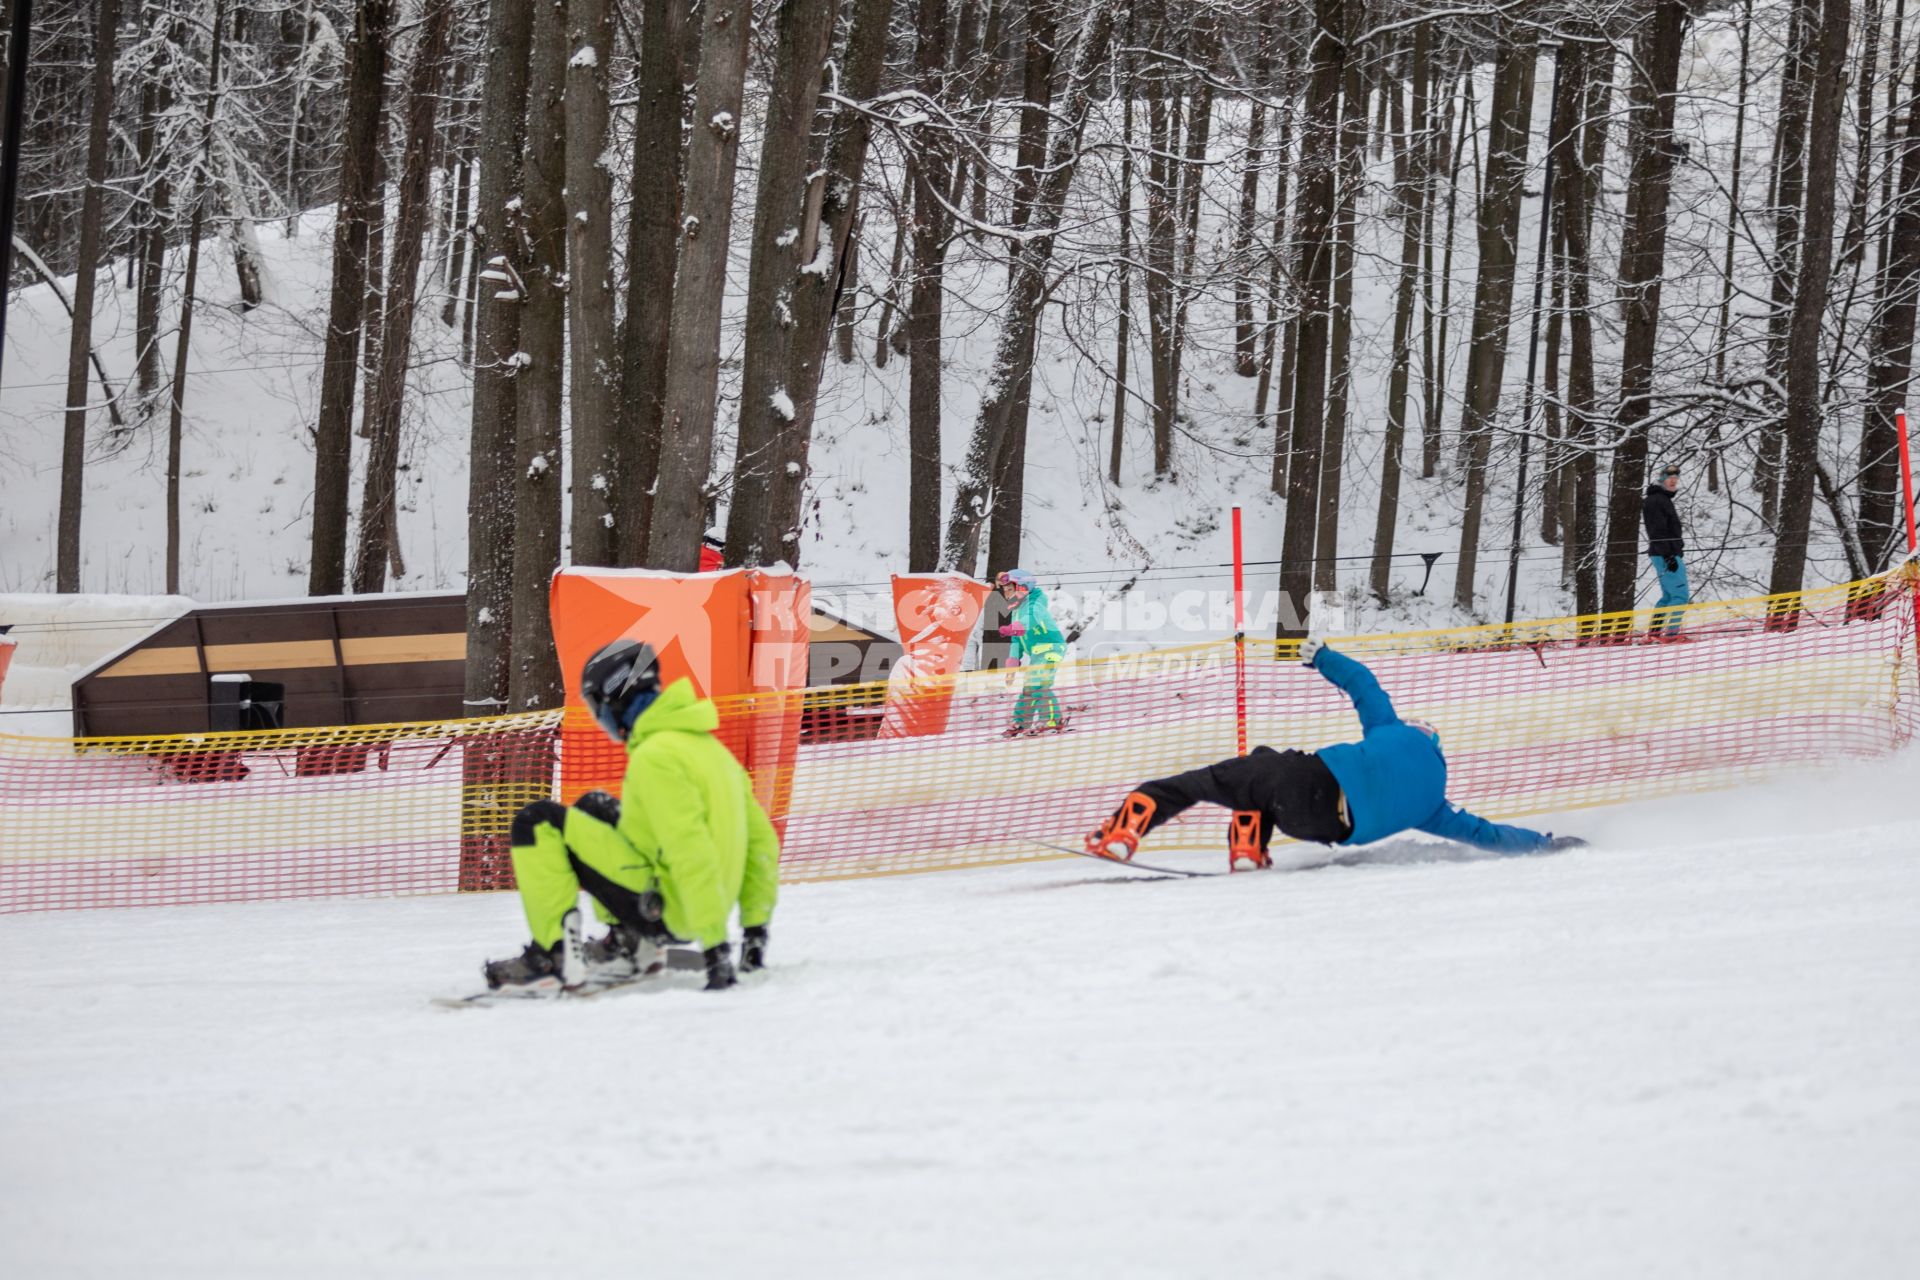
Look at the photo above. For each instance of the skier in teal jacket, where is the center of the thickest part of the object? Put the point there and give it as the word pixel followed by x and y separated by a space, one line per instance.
pixel 1039 648
pixel 1393 779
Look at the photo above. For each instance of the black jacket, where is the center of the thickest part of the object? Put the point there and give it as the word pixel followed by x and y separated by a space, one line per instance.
pixel 1663 523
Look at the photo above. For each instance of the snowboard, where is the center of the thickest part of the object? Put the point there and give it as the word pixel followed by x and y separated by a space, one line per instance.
pixel 677 958
pixel 1134 866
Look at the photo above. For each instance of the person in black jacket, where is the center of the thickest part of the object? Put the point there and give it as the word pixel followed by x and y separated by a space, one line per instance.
pixel 1666 550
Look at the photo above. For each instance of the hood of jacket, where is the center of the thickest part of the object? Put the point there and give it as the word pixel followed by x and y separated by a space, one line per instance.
pixel 677 708
pixel 1659 491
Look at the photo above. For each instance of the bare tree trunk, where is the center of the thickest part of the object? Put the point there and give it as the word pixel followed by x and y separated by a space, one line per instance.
pixel 376 296
pixel 346 305
pixel 453 311
pixel 1418 148
pixel 1193 177
pixel 1439 161
pixel 1890 366
pixel 535 677
pixel 1020 317
pixel 177 408
pixel 73 450
pixel 1123 326
pixel 1556 489
pixel 846 315
pixel 1643 258
pixel 653 248
pixel 1436 400
pixel 1508 134
pixel 1555 492
pixel 781 241
pixel 1580 558
pixel 1009 475
pixel 378 518
pixel 1009 492
pixel 150 233
pixel 599 504
pixel 491 476
pixel 1803 370
pixel 1789 188
pixel 1162 264
pixel 693 359
pixel 928 166
pixel 1723 326
pixel 818 294
pixel 1279 383
pixel 1314 232
pixel 1333 447
pixel 1246 353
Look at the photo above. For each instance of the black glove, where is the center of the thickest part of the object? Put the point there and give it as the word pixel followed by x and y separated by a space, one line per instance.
pixel 1673 564
pixel 598 804
pixel 753 951
pixel 1556 843
pixel 719 968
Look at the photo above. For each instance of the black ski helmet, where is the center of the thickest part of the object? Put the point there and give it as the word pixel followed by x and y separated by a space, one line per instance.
pixel 617 678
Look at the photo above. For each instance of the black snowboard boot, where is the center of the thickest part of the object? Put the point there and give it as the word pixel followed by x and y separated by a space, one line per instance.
pixel 719 967
pixel 538 967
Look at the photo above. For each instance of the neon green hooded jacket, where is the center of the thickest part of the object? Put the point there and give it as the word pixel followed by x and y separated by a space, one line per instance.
pixel 688 809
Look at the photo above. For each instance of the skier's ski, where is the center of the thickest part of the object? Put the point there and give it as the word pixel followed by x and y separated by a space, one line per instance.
pixel 1136 866
pixel 680 958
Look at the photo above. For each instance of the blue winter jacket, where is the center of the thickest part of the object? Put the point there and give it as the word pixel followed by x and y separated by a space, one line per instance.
pixel 1395 778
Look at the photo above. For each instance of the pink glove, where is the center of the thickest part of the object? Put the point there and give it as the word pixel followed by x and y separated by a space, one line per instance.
pixel 1012 663
pixel 1013 629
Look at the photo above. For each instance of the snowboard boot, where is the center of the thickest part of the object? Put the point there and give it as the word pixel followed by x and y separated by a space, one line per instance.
pixel 719 967
pixel 1243 841
pixel 622 953
pixel 1118 838
pixel 537 968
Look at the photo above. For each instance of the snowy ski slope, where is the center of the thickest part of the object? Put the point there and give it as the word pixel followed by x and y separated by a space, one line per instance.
pixel 1688 1051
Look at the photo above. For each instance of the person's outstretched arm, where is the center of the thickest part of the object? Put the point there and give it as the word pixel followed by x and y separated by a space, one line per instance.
pixel 1451 822
pixel 1352 678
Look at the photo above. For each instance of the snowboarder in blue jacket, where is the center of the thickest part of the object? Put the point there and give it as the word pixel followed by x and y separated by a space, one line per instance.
pixel 1394 779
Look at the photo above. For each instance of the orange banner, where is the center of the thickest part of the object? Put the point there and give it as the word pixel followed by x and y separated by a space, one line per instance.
pixel 937 614
pixel 6 659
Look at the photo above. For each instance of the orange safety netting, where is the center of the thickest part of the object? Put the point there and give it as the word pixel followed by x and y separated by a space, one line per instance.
pixel 1536 717
pixel 282 813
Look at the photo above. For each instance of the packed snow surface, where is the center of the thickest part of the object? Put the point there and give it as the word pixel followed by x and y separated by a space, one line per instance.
pixel 1687 1051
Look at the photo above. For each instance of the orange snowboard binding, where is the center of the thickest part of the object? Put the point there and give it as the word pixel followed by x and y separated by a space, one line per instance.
pixel 1243 841
pixel 1118 838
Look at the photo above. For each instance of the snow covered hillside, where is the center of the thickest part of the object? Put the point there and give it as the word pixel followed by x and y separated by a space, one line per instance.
pixel 1687 1051
pixel 255 384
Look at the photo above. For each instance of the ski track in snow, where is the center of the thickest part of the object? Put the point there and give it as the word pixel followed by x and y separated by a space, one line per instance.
pixel 1687 1051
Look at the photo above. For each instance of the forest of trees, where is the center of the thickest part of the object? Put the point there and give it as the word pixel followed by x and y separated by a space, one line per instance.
pixel 562 184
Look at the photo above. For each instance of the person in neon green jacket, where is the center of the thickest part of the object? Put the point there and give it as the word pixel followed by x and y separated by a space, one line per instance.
pixel 1039 647
pixel 669 861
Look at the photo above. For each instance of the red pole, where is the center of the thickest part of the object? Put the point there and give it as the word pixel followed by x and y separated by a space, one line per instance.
pixel 1906 478
pixel 1906 494
pixel 1240 634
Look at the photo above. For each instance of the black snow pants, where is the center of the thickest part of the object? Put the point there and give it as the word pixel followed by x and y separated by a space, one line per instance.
pixel 1293 791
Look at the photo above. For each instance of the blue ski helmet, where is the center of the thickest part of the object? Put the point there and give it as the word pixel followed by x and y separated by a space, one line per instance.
pixel 1016 578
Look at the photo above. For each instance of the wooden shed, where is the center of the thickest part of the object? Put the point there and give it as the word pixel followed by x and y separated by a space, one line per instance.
pixel 341 659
